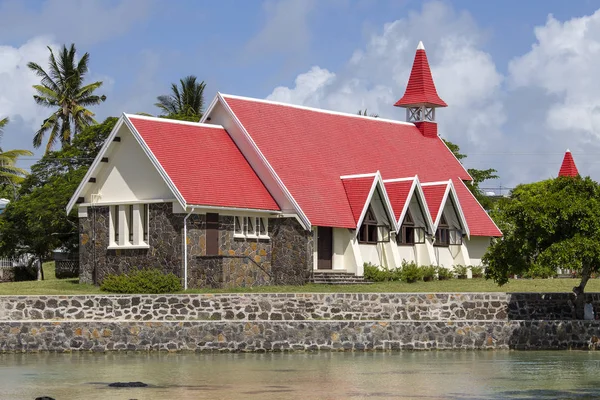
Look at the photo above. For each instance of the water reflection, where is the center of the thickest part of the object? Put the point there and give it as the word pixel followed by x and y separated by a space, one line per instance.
pixel 413 375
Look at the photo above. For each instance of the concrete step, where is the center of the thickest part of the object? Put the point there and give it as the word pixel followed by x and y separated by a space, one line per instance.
pixel 336 278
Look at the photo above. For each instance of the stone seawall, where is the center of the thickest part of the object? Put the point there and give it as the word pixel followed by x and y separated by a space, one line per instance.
pixel 262 336
pixel 289 322
pixel 295 306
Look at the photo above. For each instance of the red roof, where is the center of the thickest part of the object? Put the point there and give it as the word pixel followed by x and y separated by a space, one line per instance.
pixel 204 164
pixel 434 195
pixel 420 88
pixel 568 167
pixel 310 149
pixel 398 194
pixel 357 192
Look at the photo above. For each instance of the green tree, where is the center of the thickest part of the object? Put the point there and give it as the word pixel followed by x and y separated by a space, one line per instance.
pixel 478 175
pixel 366 114
pixel 10 174
pixel 548 225
pixel 36 222
pixel 62 88
pixel 185 102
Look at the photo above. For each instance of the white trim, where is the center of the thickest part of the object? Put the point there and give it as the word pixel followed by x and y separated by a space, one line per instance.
pixel 399 179
pixel 113 203
pixel 209 110
pixel 154 160
pixel 420 46
pixel 199 207
pixel 86 179
pixel 425 206
pixel 437 183
pixel 173 121
pixel 377 181
pixel 305 222
pixel 406 203
pixel 458 207
pixel 442 205
pixel 371 175
pixel 128 246
pixel 277 103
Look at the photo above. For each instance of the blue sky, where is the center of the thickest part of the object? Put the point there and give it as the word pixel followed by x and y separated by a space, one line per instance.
pixel 500 65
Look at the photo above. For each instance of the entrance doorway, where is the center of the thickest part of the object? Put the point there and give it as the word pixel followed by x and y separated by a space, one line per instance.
pixel 324 247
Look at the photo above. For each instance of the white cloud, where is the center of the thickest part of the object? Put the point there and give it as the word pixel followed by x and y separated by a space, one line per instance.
pixel 563 66
pixel 84 21
pixel 16 80
pixel 376 76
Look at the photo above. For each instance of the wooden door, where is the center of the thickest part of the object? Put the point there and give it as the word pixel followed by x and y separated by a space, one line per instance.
pixel 324 247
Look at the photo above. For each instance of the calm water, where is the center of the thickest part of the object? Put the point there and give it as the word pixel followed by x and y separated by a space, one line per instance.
pixel 410 375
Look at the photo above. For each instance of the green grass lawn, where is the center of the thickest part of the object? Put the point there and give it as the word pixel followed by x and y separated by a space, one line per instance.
pixel 53 286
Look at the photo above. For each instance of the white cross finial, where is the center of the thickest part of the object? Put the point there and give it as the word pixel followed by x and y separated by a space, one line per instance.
pixel 420 46
pixel 568 151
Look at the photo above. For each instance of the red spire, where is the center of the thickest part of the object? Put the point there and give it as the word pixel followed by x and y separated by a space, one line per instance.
pixel 420 88
pixel 568 167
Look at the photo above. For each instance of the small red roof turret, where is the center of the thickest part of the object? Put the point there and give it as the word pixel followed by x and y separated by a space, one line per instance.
pixel 420 89
pixel 568 167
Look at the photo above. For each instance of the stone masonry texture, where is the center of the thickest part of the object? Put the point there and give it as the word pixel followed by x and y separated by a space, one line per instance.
pixel 285 258
pixel 294 322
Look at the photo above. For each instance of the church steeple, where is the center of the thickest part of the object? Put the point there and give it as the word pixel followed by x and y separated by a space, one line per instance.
pixel 421 98
pixel 568 167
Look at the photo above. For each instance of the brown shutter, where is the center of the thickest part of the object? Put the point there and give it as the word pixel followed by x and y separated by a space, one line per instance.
pixel 212 234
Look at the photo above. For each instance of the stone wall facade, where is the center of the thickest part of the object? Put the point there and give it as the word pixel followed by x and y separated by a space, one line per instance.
pixel 263 336
pixel 292 306
pixel 285 258
pixel 288 322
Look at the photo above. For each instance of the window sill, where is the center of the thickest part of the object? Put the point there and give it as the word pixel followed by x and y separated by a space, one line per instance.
pixel 239 236
pixel 128 247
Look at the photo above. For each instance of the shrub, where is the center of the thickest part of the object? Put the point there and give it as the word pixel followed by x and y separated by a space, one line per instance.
pixel 538 271
pixel 460 271
pixel 444 274
pixel 428 272
pixel 377 273
pixel 477 272
pixel 410 272
pixel 147 280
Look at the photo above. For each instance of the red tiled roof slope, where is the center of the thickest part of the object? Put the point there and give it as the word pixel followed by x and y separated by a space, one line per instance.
pixel 434 195
pixel 398 194
pixel 568 167
pixel 420 88
pixel 204 164
pixel 479 222
pixel 310 149
pixel 357 191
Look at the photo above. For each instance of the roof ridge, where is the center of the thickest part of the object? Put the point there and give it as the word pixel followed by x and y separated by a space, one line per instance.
pixel 173 121
pixel 320 110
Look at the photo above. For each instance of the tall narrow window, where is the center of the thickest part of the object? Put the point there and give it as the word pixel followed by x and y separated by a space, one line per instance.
pixel 239 226
pixel 250 226
pixel 212 234
pixel 442 235
pixel 409 233
pixel 368 229
pixel 262 227
pixel 130 222
pixel 145 221
pixel 115 219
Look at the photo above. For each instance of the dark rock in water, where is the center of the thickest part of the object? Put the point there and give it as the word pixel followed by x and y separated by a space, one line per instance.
pixel 128 384
pixel 44 398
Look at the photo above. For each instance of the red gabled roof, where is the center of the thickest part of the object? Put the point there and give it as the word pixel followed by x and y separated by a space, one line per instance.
pixel 420 88
pixel 434 195
pixel 568 167
pixel 309 149
pixel 398 192
pixel 204 164
pixel 357 191
pixel 478 220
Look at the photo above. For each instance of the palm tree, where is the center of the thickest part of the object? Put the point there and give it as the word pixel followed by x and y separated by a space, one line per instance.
pixel 364 113
pixel 185 102
pixel 9 173
pixel 62 88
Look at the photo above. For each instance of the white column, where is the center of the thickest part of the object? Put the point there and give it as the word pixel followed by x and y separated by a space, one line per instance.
pixel 123 225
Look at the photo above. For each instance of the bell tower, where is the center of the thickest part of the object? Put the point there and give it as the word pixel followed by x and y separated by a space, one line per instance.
pixel 420 98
